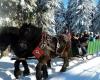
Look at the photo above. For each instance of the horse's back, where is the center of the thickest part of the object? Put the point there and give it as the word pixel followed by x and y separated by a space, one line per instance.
pixel 29 38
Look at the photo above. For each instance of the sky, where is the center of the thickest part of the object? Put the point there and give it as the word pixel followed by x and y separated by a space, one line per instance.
pixel 66 2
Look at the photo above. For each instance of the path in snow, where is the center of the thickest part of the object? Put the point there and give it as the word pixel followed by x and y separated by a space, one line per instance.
pixel 78 69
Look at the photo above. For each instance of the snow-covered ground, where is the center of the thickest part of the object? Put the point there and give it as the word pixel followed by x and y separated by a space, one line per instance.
pixel 77 70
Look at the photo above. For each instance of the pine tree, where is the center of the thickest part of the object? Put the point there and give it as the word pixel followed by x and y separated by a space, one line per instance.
pixel 25 11
pixel 7 10
pixel 17 11
pixel 80 14
pixel 96 20
pixel 59 17
pixel 46 17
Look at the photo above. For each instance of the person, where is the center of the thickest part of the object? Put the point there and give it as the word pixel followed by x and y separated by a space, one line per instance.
pixel 97 35
pixel 84 43
pixel 91 36
pixel 75 44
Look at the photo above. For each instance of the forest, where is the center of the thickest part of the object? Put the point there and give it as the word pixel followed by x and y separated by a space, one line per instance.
pixel 79 15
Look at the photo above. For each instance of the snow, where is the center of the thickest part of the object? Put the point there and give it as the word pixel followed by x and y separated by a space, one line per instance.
pixel 80 18
pixel 78 69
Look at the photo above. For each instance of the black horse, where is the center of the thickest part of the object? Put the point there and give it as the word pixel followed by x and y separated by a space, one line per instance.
pixel 28 39
pixel 22 41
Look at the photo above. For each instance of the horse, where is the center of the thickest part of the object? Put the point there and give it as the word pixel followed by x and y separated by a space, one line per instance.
pixel 63 51
pixel 49 45
pixel 22 41
pixel 28 39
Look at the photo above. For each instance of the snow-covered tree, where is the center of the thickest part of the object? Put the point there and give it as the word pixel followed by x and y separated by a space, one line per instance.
pixel 96 20
pixel 24 11
pixel 7 10
pixel 41 8
pixel 80 14
pixel 46 15
pixel 17 11
pixel 59 16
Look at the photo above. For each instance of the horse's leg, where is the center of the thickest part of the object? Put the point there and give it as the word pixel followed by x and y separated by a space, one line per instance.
pixel 38 71
pixel 65 64
pixel 84 51
pixel 44 61
pixel 41 71
pixel 45 72
pixel 17 71
pixel 41 68
pixel 26 69
pixel 65 57
pixel 49 63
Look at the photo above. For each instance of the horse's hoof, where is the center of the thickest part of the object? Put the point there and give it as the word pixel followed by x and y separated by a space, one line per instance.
pixel 44 78
pixel 17 73
pixel 63 70
pixel 26 73
pixel 49 66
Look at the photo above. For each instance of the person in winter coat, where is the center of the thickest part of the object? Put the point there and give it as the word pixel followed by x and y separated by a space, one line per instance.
pixel 75 44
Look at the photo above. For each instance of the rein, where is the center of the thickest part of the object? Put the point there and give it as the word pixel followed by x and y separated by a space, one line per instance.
pixel 42 43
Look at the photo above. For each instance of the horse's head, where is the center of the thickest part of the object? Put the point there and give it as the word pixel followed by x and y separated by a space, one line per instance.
pixel 64 37
pixel 64 40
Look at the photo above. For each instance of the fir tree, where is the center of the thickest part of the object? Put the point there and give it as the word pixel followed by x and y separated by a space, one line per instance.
pixel 96 20
pixel 47 17
pixel 59 17
pixel 80 14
